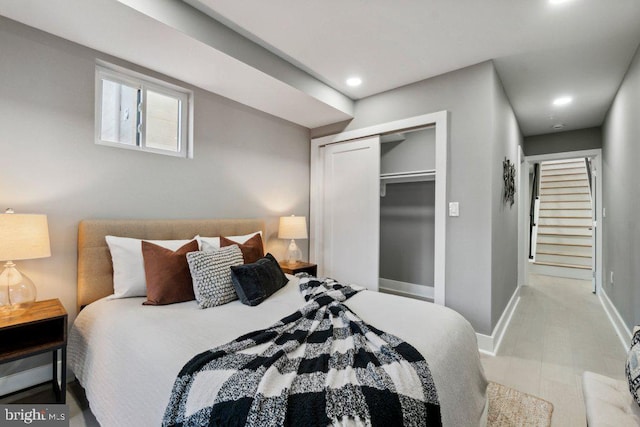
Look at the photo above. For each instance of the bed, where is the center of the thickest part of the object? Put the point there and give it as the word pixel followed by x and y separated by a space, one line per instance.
pixel 126 355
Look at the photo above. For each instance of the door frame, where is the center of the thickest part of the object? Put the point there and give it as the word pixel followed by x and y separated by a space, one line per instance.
pixel 523 247
pixel 439 120
pixel 596 156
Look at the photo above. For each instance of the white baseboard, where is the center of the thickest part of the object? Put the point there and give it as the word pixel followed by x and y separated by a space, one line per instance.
pixel 405 288
pixel 28 378
pixel 489 344
pixel 616 320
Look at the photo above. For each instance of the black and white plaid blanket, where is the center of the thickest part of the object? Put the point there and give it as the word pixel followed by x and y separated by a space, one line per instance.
pixel 319 366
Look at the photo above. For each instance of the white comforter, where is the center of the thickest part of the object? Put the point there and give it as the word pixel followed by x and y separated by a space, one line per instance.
pixel 127 355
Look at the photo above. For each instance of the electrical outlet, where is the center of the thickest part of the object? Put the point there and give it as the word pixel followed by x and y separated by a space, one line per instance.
pixel 611 278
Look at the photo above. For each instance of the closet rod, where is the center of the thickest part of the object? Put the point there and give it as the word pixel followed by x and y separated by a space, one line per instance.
pixel 398 177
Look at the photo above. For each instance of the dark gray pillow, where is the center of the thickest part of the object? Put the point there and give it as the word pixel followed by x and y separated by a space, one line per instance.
pixel 256 282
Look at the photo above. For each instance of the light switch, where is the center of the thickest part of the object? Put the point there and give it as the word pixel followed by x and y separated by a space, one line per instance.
pixel 454 209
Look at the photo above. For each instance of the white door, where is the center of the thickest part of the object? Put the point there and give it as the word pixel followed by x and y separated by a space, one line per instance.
pixel 351 212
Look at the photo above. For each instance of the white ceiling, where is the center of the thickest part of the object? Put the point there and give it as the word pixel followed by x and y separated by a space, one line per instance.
pixel 295 55
pixel 541 50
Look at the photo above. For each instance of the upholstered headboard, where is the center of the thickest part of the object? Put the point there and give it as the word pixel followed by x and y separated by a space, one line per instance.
pixel 95 272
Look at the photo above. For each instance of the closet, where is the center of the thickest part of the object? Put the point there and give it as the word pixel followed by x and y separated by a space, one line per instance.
pixel 407 213
pixel 378 206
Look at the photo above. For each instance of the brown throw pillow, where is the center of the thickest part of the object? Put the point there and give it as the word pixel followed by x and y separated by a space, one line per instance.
pixel 167 273
pixel 252 249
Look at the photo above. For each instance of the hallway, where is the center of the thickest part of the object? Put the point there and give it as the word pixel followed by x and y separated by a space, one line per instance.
pixel 558 330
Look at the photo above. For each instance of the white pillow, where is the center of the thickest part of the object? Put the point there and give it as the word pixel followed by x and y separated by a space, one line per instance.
pixel 210 244
pixel 128 264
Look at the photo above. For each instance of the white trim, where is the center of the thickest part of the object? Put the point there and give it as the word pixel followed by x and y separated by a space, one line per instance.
pixel 523 252
pixel 440 120
pixel 394 126
pixel 441 210
pixel 316 190
pixel 485 344
pixel 144 83
pixel 28 378
pixel 616 320
pixel 534 229
pixel 406 288
pixel 564 155
pixel 489 344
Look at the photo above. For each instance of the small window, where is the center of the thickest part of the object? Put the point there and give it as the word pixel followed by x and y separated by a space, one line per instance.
pixel 141 113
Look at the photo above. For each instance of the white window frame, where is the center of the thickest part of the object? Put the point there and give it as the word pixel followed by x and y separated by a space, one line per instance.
pixel 143 83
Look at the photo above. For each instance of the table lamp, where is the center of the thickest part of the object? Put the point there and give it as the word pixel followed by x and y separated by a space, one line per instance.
pixel 293 227
pixel 22 236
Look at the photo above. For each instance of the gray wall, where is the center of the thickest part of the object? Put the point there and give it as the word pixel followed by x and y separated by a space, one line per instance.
pixel 621 192
pixel 560 142
pixel 407 227
pixel 468 94
pixel 417 152
pixel 246 163
pixel 504 220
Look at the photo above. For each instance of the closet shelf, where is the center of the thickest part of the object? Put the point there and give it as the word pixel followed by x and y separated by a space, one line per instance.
pixel 414 176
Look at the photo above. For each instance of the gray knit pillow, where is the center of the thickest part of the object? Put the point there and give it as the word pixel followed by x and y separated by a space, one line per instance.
pixel 633 365
pixel 211 273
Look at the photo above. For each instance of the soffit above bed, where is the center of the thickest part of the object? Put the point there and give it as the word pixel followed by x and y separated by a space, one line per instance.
pixel 542 49
pixel 175 39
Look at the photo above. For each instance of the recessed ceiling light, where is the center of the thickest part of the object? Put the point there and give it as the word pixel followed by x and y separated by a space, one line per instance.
pixel 563 100
pixel 558 1
pixel 558 126
pixel 354 81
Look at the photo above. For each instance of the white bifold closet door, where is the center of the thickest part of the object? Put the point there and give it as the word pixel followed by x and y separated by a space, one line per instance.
pixel 351 211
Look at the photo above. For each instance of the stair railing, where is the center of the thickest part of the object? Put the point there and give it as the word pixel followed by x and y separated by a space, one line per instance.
pixel 587 163
pixel 534 211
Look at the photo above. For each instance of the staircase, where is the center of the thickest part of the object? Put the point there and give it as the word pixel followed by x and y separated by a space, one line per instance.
pixel 564 242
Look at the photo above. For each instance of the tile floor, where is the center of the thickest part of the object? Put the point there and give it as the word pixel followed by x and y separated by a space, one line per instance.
pixel 558 331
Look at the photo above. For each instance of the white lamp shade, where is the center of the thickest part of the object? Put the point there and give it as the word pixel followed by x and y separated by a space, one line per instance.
pixel 23 236
pixel 292 227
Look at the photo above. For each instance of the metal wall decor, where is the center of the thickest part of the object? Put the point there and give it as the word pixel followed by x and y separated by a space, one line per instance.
pixel 509 178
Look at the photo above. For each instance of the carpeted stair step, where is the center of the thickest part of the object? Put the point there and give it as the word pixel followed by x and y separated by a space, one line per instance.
pixel 550 198
pixel 565 231
pixel 556 264
pixel 564 259
pixel 564 191
pixel 565 177
pixel 585 222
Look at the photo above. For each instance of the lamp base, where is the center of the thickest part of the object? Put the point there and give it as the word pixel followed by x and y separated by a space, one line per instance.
pixel 17 291
pixel 294 254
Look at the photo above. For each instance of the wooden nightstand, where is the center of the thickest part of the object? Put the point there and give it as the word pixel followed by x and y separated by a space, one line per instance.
pixel 299 267
pixel 42 329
